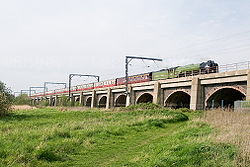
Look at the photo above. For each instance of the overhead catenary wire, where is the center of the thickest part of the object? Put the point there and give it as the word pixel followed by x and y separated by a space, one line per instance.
pixel 199 42
pixel 143 68
pixel 220 52
pixel 133 70
pixel 196 46
pixel 214 50
pixel 222 46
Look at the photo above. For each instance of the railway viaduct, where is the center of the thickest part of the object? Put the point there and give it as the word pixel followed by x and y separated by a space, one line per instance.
pixel 195 92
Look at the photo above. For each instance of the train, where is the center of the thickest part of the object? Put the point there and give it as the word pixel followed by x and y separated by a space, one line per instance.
pixel 174 72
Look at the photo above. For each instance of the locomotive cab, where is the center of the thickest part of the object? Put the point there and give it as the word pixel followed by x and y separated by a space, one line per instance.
pixel 209 67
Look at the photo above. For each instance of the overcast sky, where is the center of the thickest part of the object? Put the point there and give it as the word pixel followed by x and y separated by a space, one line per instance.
pixel 45 40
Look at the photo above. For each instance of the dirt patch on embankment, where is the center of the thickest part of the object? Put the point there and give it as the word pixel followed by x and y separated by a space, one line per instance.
pixel 23 107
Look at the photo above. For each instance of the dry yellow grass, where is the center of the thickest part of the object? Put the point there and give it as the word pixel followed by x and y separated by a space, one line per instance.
pixel 234 127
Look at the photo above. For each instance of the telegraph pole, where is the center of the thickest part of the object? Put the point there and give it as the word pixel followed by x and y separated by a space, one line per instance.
pixel 128 59
pixel 80 75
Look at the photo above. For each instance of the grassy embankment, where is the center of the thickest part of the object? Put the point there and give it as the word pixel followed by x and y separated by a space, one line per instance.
pixel 132 137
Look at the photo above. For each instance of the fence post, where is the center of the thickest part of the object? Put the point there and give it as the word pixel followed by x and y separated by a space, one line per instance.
pixel 212 104
pixel 222 104
pixel 240 105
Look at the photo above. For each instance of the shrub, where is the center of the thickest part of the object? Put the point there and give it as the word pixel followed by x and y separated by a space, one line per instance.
pixel 6 99
pixel 22 100
pixel 64 101
pixel 44 103
pixel 143 106
pixel 184 110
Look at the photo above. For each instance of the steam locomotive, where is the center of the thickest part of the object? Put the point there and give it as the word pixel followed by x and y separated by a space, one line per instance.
pixel 174 72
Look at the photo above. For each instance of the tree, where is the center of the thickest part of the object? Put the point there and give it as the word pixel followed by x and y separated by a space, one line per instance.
pixel 6 99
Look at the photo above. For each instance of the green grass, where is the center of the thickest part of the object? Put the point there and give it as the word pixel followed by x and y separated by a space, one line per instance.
pixel 136 137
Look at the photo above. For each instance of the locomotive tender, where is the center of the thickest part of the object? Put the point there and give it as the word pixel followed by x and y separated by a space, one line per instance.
pixel 174 72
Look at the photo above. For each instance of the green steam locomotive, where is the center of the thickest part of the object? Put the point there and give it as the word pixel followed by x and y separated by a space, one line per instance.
pixel 187 70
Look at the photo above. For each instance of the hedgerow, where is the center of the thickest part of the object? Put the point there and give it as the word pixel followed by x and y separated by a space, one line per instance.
pixel 6 99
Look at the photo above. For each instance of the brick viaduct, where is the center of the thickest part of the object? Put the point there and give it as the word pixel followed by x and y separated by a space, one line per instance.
pixel 194 92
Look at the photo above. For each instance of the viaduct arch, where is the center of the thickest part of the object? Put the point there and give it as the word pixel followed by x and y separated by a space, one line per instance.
pixel 88 102
pixel 145 98
pixel 224 97
pixel 178 99
pixel 102 102
pixel 120 101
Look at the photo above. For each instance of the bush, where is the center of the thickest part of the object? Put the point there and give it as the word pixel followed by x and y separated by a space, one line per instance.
pixel 64 101
pixel 184 110
pixel 143 106
pixel 6 99
pixel 44 103
pixel 22 100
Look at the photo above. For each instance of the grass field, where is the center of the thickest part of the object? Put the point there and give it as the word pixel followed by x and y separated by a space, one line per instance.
pixel 131 137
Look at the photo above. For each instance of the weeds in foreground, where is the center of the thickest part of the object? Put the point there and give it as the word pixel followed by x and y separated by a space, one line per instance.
pixel 235 129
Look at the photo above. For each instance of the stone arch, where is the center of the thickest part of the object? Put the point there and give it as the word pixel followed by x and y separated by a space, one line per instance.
pixel 145 98
pixel 88 102
pixel 120 101
pixel 224 97
pixel 53 101
pixel 102 102
pixel 178 99
pixel 77 99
